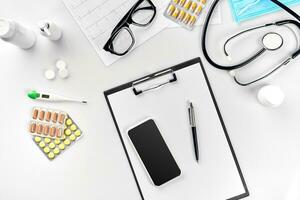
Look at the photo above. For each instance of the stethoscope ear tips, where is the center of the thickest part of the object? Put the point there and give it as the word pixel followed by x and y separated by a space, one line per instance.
pixel 272 41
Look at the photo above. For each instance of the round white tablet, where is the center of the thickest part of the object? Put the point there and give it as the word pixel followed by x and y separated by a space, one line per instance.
pixel 61 64
pixel 271 96
pixel 63 73
pixel 49 74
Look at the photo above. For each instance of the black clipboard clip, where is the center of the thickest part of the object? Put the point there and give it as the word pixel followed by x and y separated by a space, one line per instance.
pixel 155 86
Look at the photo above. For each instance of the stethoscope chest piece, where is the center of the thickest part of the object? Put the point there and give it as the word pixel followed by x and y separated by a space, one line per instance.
pixel 272 41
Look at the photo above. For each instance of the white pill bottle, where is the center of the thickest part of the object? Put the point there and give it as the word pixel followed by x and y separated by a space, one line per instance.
pixel 16 34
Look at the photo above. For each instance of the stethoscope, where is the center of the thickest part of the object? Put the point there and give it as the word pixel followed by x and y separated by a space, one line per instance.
pixel 270 42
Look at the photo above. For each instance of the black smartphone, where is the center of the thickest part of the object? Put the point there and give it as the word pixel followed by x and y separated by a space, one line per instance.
pixel 154 152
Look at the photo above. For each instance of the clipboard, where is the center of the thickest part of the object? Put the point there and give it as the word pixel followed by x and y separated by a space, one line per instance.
pixel 162 95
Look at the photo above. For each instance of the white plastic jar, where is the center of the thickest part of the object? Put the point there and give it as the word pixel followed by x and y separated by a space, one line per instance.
pixel 16 34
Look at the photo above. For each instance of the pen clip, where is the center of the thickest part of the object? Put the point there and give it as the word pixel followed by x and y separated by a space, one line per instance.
pixel 191 114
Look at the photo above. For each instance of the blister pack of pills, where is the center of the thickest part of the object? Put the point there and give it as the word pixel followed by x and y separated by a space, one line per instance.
pixel 185 12
pixel 47 140
pixel 47 123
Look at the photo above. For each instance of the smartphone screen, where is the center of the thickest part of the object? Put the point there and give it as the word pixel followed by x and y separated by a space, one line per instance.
pixel 154 152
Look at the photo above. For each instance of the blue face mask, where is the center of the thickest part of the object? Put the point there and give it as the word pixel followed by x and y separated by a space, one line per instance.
pixel 248 9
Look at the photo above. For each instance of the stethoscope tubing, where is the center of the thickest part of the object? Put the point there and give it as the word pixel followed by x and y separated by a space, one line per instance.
pixel 251 58
pixel 256 55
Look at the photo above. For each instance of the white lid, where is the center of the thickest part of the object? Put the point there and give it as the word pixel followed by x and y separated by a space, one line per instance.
pixel 271 96
pixel 7 28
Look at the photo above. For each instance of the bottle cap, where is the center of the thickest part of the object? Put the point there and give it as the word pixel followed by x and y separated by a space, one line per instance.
pixel 271 96
pixel 7 28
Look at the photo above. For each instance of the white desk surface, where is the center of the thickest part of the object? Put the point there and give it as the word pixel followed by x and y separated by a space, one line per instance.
pixel 266 141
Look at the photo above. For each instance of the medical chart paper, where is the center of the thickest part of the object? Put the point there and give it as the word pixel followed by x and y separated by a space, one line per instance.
pixel 97 19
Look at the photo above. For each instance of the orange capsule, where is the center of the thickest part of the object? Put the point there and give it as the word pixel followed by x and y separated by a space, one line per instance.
pixel 58 132
pixel 54 117
pixel 32 128
pixel 61 118
pixel 35 113
pixel 40 129
pixel 41 115
pixel 48 116
pixel 46 130
pixel 52 131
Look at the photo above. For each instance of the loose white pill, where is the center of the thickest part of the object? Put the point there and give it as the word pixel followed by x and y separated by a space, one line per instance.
pixel 63 73
pixel 49 74
pixel 61 64
pixel 271 96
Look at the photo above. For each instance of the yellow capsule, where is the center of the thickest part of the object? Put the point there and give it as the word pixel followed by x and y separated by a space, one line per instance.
pixel 176 1
pixel 170 10
pixel 69 122
pixel 46 149
pixel 57 141
pixel 176 13
pixel 198 10
pixel 73 127
pixel 51 155
pixel 77 133
pixel 68 132
pixel 182 2
pixel 67 142
pixel 61 146
pixel 72 137
pixel 194 6
pixel 37 139
pixel 42 144
pixel 47 140
pixel 188 5
pixel 56 151
pixel 192 21
pixel 187 18
pixel 181 15
pixel 52 145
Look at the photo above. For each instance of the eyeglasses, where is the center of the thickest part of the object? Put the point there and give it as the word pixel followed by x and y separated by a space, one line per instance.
pixel 122 39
